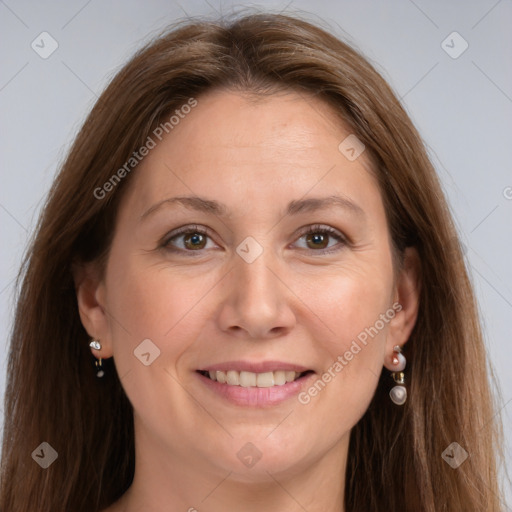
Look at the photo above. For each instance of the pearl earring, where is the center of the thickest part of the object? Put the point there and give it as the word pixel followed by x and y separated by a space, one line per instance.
pixel 398 394
pixel 96 345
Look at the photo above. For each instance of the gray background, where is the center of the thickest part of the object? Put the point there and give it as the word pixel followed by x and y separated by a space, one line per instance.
pixel 462 107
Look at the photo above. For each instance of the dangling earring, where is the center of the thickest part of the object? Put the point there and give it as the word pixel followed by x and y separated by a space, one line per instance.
pixel 96 345
pixel 99 368
pixel 398 394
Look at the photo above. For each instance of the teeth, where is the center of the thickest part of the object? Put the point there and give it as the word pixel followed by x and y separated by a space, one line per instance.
pixel 280 377
pixel 247 379
pixel 290 375
pixel 233 378
pixel 250 379
pixel 265 380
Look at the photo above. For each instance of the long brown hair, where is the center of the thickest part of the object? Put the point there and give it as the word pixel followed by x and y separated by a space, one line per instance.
pixel 53 395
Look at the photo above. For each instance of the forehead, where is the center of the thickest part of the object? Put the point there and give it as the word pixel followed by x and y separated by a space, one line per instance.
pixel 285 122
pixel 244 150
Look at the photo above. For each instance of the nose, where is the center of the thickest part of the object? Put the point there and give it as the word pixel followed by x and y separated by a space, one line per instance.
pixel 257 301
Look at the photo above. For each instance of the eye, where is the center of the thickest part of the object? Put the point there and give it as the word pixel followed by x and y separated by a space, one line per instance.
pixel 188 238
pixel 320 239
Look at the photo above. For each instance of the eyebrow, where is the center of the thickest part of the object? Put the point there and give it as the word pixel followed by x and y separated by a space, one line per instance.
pixel 295 207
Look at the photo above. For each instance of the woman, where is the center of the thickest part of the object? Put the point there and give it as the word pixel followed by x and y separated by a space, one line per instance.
pixel 248 237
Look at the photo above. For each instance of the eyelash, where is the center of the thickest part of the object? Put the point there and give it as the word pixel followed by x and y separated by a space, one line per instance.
pixel 314 229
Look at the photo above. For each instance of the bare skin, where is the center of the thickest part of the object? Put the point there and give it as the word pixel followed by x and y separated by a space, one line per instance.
pixel 302 301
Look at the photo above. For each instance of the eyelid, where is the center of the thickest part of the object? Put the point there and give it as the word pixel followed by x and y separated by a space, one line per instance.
pixel 313 228
pixel 186 229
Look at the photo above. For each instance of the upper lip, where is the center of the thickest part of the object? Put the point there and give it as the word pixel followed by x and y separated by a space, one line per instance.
pixel 255 367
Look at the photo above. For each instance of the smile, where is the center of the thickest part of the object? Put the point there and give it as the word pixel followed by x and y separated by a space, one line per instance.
pixel 250 384
pixel 247 379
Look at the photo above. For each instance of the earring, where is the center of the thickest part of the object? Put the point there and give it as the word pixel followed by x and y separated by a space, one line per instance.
pixel 99 368
pixel 398 394
pixel 96 345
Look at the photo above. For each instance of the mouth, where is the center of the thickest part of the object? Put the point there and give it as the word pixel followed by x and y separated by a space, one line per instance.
pixel 256 385
pixel 248 379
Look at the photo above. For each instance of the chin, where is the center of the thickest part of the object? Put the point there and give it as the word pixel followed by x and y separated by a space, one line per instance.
pixel 255 461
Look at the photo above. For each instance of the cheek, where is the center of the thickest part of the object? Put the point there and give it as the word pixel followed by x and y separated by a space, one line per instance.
pixel 357 309
pixel 156 303
pixel 351 302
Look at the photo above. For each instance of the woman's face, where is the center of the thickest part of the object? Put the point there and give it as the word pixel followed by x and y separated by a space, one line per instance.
pixel 211 269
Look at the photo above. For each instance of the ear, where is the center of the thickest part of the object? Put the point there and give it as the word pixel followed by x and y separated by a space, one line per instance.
pixel 90 294
pixel 407 294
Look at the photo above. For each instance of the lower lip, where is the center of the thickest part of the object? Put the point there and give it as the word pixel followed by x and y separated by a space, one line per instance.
pixel 254 396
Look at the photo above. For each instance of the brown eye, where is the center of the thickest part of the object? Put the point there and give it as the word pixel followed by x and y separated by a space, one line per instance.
pixel 317 240
pixel 194 241
pixel 320 239
pixel 187 240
